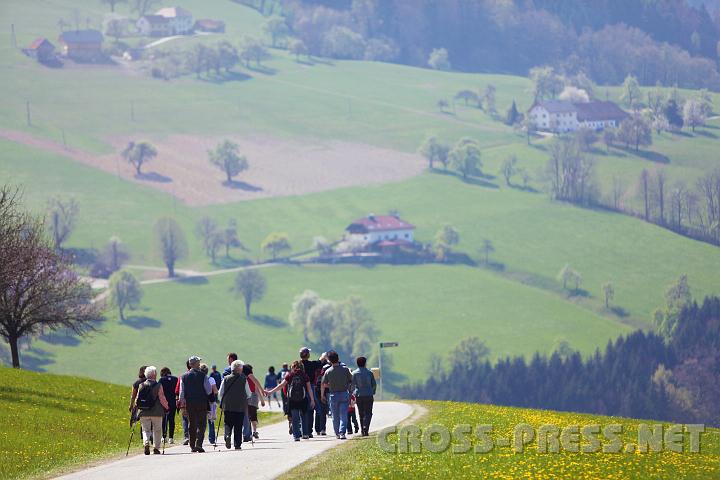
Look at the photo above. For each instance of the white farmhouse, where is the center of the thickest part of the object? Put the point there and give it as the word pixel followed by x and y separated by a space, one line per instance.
pixel 561 116
pixel 382 230
pixel 166 22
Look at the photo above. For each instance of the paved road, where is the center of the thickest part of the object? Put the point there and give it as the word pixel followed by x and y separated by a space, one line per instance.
pixel 272 455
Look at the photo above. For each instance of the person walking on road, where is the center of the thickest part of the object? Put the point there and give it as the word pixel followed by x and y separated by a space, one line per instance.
pixel 299 393
pixel 321 408
pixel 312 370
pixel 212 400
pixel 337 381
pixel 194 391
pixel 351 417
pixel 152 405
pixel 234 394
pixel 216 375
pixel 258 396
pixel 169 382
pixel 271 381
pixel 183 412
pixel 231 357
pixel 135 386
pixel 364 387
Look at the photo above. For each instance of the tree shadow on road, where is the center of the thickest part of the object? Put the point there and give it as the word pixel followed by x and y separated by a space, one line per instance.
pixel 153 177
pixel 239 185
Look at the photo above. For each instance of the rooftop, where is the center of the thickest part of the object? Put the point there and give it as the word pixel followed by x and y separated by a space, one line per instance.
pixel 379 223
pixel 38 42
pixel 599 111
pixel 172 12
pixel 556 106
pixel 81 36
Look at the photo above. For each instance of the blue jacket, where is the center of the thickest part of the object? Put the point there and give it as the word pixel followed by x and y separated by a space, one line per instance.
pixel 363 383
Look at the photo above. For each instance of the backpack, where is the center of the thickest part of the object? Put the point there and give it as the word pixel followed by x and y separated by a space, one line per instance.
pixel 146 396
pixel 296 392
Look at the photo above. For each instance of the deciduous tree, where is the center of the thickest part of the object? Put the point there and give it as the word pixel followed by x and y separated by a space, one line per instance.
pixel 125 292
pixel 227 158
pixel 251 285
pixel 170 243
pixel 63 217
pixel 275 243
pixel 439 59
pixel 465 157
pixel 138 154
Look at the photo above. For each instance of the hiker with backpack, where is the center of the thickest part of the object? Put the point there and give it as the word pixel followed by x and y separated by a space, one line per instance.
pixel 233 395
pixel 300 399
pixel 194 392
pixel 321 408
pixel 183 413
pixel 336 382
pixel 151 405
pixel 169 382
pixel 364 386
pixel 135 386
pixel 312 370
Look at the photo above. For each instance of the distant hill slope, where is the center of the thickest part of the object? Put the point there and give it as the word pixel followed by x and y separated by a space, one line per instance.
pixel 366 459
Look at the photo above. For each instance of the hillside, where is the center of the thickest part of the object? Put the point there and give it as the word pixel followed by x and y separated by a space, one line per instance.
pixel 366 460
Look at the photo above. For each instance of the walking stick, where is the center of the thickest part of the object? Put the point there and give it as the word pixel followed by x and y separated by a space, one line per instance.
pixel 133 421
pixel 217 428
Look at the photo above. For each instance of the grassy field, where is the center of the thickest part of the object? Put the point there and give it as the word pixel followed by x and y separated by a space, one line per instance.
pixel 427 308
pixel 362 458
pixel 53 423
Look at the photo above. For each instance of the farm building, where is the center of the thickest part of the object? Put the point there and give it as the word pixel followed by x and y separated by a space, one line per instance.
pixel 82 45
pixel 381 230
pixel 41 50
pixel 562 116
pixel 154 26
pixel 209 25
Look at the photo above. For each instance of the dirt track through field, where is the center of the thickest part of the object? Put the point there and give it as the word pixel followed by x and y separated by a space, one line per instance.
pixel 278 167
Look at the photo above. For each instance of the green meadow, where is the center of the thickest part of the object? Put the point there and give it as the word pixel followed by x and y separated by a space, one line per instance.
pixel 363 458
pixel 429 308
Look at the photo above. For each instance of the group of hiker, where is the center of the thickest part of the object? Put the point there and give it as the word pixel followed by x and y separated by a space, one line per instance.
pixel 310 391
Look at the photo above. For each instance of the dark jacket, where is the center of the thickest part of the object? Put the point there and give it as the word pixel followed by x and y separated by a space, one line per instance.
pixel 194 386
pixel 169 382
pixel 234 397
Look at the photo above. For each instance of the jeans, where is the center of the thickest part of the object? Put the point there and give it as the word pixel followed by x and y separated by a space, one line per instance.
pixel 320 416
pixel 211 431
pixel 352 419
pixel 197 421
pixel 233 422
pixel 339 402
pixel 365 406
pixel 296 414
pixel 148 425
pixel 186 430
pixel 168 424
pixel 247 428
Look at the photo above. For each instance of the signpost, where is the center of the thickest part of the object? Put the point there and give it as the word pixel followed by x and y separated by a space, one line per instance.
pixel 382 373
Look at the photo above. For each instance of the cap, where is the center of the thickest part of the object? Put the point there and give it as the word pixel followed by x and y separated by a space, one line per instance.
pixel 305 350
pixel 194 359
pixel 214 365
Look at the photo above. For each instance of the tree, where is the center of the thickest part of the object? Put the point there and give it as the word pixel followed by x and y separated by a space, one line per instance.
pixel 467 96
pixel 636 131
pixel 342 42
pixel 487 249
pixel 112 3
pixel 322 319
pixel 659 193
pixel 609 137
pixel 608 292
pixel 382 49
pixel 322 245
pixel 546 83
pixel 252 49
pixel 275 243
pixel 568 275
pixel 674 115
pixel 574 94
pixel 138 154
pixel 571 172
pixel 170 243
pixel 115 254
pixel 227 55
pixel 227 158
pixel 469 354
pixel 693 114
pixel 297 47
pixel 206 229
pixel 299 314
pixel 41 292
pixel 445 238
pixel 439 59
pixel 434 151
pixel 276 29
pixel 489 99
pixel 354 332
pixel 115 28
pixel 63 217
pixel 677 297
pixel 508 169
pixel 251 285
pixel 465 157
pixel 513 115
pixel 142 7
pixel 631 93
pixel 644 187
pixel 125 292
pixel 442 104
pixel 229 237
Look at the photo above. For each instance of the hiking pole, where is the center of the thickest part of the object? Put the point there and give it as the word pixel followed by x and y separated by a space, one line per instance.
pixel 132 433
pixel 217 429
